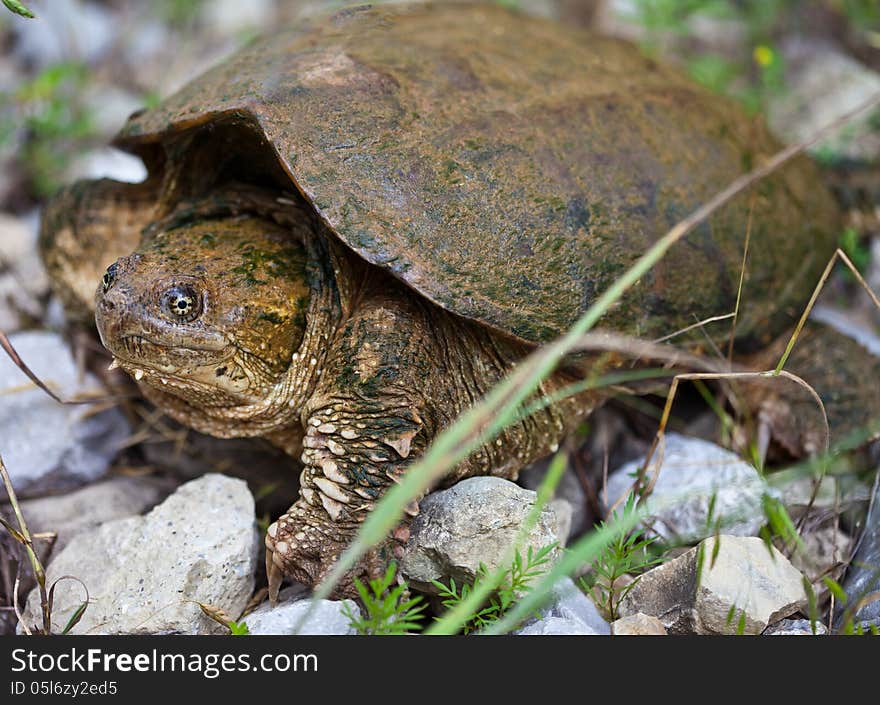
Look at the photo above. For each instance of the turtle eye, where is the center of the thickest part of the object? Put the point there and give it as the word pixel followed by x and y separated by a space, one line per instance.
pixel 182 302
pixel 109 277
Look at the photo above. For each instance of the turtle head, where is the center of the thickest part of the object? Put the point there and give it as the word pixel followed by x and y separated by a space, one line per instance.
pixel 212 311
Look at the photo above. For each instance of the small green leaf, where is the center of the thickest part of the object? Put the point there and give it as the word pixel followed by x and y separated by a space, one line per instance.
pixel 75 617
pixel 835 589
pixel 19 9
pixel 239 629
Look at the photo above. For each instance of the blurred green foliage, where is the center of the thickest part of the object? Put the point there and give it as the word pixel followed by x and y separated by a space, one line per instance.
pixel 48 120
pixel 756 70
pixel 179 12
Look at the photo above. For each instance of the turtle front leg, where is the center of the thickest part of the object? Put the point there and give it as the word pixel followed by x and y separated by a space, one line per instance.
pixel 363 426
pixel 86 227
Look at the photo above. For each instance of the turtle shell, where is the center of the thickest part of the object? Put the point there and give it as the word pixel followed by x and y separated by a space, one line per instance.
pixel 510 169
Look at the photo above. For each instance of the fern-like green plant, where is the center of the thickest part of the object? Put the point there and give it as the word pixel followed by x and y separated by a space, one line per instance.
pixel 517 581
pixel 388 611
pixel 628 554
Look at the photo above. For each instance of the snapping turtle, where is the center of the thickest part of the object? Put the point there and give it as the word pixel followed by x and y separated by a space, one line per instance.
pixel 352 229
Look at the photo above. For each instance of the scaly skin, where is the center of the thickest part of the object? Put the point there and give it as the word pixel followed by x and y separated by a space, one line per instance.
pixel 238 317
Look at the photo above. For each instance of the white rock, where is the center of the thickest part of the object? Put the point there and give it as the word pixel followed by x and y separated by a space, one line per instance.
pixel 564 516
pixel 146 574
pixel 46 445
pixel 692 471
pixel 570 603
pixel 821 551
pixel 85 509
pixel 745 583
pixel 555 626
pixel 327 619
pixel 232 16
pixel 111 107
pixel 823 83
pixel 474 521
pixel 109 163
pixel 65 30
pixel 638 624
pixel 795 627
pixel 23 279
pixel 843 324
pixel 568 489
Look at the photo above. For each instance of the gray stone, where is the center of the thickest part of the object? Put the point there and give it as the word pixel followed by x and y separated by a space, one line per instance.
pixel 822 84
pixel 692 471
pixel 327 619
pixel 475 521
pixel 230 17
pixel 822 553
pixel 48 446
pixel 107 163
pixel 842 323
pixel 745 583
pixel 799 493
pixel 563 511
pixel 568 489
pixel 66 30
pixel 23 280
pixel 862 576
pixel 569 611
pixel 85 509
pixel 145 575
pixel 555 626
pixel 795 627
pixel 638 624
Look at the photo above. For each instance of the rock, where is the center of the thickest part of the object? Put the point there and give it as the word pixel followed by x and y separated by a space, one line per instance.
pixel 638 624
pixel 744 583
pixel 798 493
pixel 823 83
pixel 327 619
pixel 48 446
pixel 83 510
pixel 66 30
pixel 692 471
pixel 472 522
pixel 795 627
pixel 110 107
pixel 146 574
pixel 555 626
pixel 569 612
pixel 23 280
pixel 107 163
pixel 862 577
pixel 228 17
pixel 563 510
pixel 823 553
pixel 568 489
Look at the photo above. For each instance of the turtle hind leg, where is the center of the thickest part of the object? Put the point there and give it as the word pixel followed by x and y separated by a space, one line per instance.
pixel 86 227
